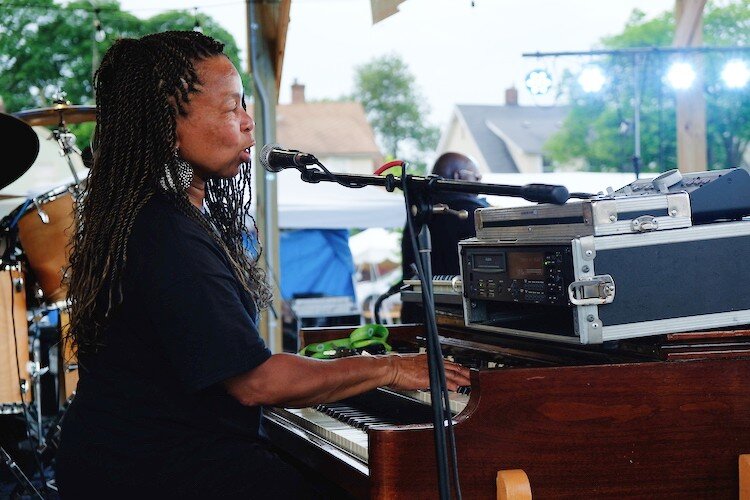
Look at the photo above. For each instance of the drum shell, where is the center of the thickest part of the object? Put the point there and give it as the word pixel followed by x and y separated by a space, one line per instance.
pixel 46 245
pixel 14 339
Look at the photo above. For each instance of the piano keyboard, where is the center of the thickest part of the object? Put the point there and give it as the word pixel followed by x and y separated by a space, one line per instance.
pixel 345 425
pixel 457 400
pixel 345 437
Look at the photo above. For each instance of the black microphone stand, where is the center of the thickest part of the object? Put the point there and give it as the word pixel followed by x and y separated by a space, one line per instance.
pixel 419 210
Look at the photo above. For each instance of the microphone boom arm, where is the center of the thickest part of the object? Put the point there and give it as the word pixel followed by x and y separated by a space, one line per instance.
pixel 542 193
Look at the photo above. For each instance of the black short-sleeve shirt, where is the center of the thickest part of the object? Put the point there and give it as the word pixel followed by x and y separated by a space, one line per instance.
pixel 150 405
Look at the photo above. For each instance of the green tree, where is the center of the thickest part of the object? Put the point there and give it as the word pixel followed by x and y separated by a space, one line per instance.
pixel 395 109
pixel 600 126
pixel 46 47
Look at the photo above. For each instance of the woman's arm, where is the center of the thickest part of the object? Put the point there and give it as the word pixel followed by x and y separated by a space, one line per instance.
pixel 296 381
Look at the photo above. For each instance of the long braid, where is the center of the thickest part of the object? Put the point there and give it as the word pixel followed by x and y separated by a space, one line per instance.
pixel 140 87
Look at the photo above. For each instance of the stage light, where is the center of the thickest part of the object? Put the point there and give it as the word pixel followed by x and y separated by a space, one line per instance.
pixel 681 75
pixel 538 82
pixel 735 74
pixel 591 79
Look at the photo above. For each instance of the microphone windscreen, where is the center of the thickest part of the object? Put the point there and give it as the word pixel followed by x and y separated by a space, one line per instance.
pixel 265 153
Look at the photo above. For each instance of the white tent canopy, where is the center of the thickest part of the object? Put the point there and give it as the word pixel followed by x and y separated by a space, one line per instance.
pixel 375 245
pixel 326 205
pixel 581 182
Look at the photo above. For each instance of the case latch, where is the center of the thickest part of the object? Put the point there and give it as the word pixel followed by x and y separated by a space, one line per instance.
pixel 592 291
pixel 644 223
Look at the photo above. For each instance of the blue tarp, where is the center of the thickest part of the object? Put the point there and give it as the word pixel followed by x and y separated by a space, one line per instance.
pixel 316 261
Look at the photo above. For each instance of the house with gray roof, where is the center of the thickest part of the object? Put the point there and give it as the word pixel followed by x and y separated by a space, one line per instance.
pixel 337 133
pixel 503 139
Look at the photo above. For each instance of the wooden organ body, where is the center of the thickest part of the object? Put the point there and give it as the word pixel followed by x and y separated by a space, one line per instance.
pixel 663 417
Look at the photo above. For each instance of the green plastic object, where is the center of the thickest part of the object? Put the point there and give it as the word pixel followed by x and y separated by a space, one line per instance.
pixel 360 339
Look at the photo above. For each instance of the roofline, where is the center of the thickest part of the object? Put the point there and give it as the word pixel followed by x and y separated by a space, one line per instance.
pixel 460 116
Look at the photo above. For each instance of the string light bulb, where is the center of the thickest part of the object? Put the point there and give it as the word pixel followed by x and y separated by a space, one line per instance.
pixel 197 26
pixel 99 34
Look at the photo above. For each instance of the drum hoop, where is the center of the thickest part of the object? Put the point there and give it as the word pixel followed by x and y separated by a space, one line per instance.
pixel 60 305
pixel 49 197
pixel 11 408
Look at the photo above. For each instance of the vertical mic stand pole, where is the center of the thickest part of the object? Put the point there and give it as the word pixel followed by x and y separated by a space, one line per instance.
pixel 433 349
pixel 422 211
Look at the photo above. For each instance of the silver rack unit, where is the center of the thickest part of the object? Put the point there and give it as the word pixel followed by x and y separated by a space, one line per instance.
pixel 601 216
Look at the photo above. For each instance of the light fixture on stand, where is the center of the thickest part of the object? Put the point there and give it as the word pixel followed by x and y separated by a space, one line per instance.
pixel 591 79
pixel 735 74
pixel 681 75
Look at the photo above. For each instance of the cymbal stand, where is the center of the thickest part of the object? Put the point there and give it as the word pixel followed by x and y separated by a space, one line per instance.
pixel 66 141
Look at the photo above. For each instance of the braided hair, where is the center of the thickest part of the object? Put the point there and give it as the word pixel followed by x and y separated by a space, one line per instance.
pixel 140 87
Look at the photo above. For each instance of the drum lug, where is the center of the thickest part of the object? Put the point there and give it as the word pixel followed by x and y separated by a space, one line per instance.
pixel 42 214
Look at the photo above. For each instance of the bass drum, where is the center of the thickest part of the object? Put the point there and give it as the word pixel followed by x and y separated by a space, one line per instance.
pixel 14 340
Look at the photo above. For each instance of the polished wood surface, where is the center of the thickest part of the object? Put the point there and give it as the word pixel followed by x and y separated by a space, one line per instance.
pixel 645 428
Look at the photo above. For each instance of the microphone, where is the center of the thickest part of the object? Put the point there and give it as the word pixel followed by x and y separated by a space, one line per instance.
pixel 274 158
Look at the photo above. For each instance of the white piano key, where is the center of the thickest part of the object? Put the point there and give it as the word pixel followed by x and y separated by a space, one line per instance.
pixel 457 402
pixel 344 436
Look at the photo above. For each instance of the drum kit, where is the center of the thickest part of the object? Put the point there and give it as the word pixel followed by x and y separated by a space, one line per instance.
pixel 38 371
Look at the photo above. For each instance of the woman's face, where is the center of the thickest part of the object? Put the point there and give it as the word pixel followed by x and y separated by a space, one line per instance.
pixel 216 132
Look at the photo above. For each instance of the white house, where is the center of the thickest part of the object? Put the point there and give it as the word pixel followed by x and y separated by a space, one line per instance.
pixel 503 139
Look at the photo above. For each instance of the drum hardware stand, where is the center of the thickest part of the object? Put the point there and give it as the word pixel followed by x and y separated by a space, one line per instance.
pixel 36 371
pixel 23 480
pixel 66 140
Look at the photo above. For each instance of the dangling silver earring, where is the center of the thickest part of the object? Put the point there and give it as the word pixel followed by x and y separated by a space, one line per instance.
pixel 184 172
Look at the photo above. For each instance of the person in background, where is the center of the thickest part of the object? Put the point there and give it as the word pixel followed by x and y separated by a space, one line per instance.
pixel 445 230
pixel 164 295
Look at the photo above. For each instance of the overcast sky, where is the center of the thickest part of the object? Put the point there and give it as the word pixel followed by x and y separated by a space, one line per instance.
pixel 458 54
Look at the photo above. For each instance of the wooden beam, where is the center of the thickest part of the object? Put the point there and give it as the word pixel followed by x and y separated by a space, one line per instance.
pixel 273 24
pixel 382 9
pixel 691 103
pixel 264 63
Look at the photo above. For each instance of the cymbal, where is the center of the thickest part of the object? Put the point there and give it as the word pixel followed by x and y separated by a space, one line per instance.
pixel 24 141
pixel 58 114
